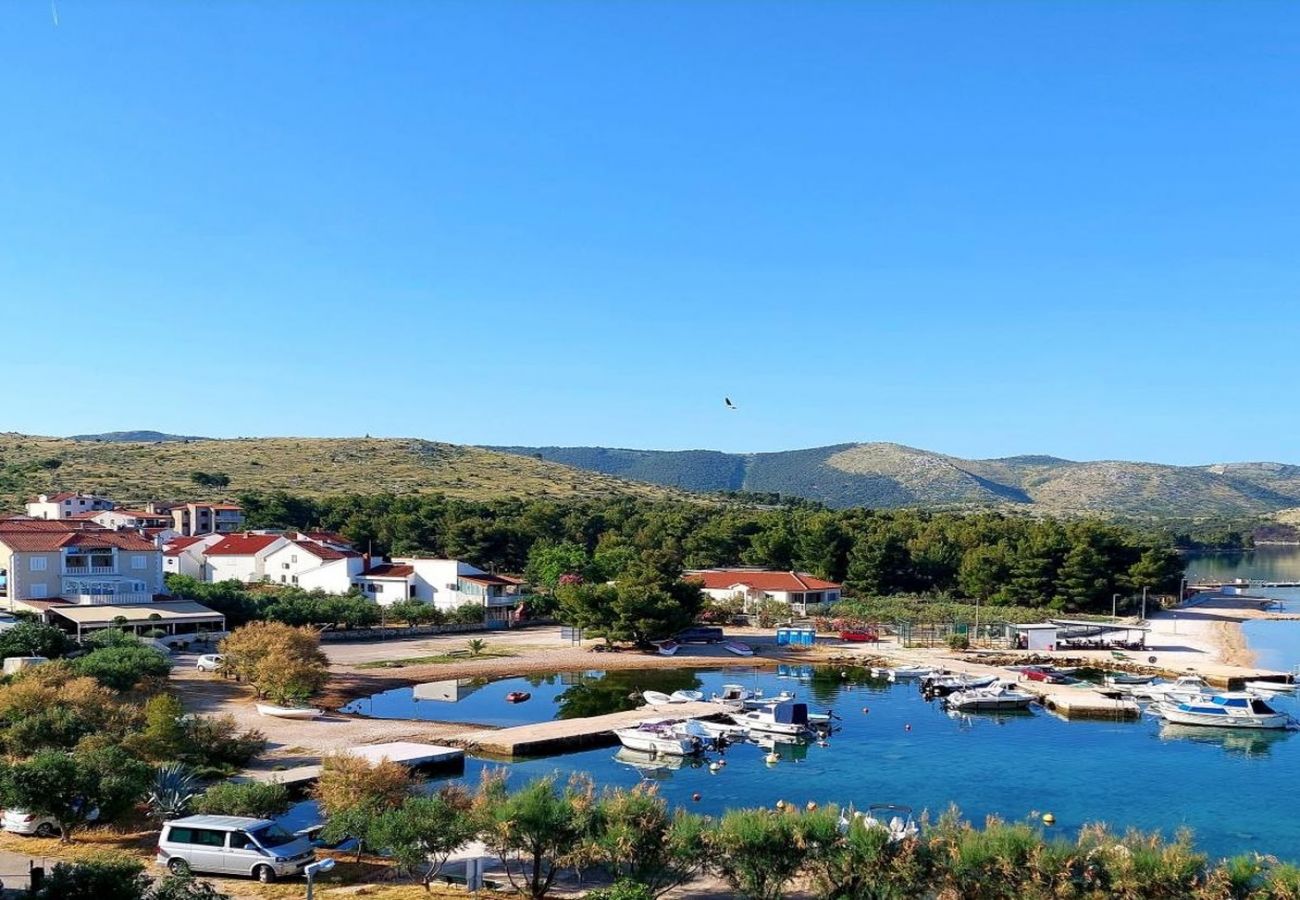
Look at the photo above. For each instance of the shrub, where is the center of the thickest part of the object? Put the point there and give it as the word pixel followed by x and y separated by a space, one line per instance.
pixel 34 639
pixel 259 799
pixel 121 667
pixel 105 877
pixel 958 642
pixel 466 614
pixel 215 743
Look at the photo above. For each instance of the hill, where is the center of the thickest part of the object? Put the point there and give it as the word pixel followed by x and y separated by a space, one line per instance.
pixel 151 437
pixel 892 475
pixel 304 466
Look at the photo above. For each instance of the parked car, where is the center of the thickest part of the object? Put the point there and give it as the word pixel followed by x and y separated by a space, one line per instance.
pixel 1039 673
pixel 232 845
pixel 20 821
pixel 859 635
pixel 209 662
pixel 700 634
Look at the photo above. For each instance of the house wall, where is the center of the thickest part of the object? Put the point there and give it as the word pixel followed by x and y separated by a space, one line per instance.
pixel 240 568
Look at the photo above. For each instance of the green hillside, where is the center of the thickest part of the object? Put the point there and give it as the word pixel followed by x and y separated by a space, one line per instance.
pixel 892 475
pixel 302 466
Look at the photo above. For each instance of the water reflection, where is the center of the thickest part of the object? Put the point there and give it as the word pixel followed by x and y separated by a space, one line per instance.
pixel 1249 742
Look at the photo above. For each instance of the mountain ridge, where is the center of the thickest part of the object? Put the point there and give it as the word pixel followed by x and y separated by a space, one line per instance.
pixel 886 474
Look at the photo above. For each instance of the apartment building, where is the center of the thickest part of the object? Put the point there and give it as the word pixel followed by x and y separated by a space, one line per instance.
pixel 445 583
pixel 66 505
pixel 76 562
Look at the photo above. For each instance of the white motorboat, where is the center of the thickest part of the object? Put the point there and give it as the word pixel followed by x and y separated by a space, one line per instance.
pixel 668 648
pixel 786 718
pixel 1184 689
pixel 686 696
pixel 737 648
pixel 732 693
pixel 1271 687
pixel 1000 695
pixel 1236 709
pixel 715 731
pixel 902 672
pixel 758 701
pixel 1127 679
pixel 658 698
pixel 943 684
pixel 660 737
pixel 289 712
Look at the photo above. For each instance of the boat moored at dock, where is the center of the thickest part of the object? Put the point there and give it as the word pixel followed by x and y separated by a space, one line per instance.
pixel 1000 695
pixel 1236 709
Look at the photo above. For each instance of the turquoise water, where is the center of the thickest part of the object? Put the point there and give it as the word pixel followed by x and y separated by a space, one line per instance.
pixel 1269 563
pixel 1276 642
pixel 1225 786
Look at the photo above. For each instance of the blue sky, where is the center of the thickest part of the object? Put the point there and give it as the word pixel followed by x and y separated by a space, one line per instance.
pixel 982 228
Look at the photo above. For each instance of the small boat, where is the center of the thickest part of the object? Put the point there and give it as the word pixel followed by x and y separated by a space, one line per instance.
pixel 732 693
pixel 686 696
pixel 1236 709
pixel 1184 689
pixel 668 648
pixel 941 685
pixel 737 648
pixel 1126 678
pixel 758 701
pixel 658 698
pixel 902 672
pixel 289 712
pixel 1271 687
pixel 660 737
pixel 997 696
pixel 778 718
pixel 714 731
pixel 518 697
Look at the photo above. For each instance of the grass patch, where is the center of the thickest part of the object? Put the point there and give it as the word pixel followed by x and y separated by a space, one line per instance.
pixel 437 659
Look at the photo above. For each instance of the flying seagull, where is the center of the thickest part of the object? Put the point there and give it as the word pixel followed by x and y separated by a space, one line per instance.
pixel 730 405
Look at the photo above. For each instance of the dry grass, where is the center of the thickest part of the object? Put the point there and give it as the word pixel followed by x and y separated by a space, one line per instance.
pixel 301 466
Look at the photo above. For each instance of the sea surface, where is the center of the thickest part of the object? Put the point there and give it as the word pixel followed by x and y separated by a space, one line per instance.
pixel 892 746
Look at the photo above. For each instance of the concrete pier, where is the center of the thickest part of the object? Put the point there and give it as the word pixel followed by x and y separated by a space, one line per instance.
pixel 407 753
pixel 569 734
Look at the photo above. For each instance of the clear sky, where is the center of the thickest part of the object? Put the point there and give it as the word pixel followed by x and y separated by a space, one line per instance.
pixel 984 228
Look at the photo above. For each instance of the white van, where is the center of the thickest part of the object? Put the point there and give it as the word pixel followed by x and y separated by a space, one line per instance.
pixel 232 845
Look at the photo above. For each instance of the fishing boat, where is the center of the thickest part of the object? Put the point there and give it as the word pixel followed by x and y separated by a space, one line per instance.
pixel 1000 695
pixel 686 696
pixel 289 712
pixel 737 648
pixel 658 698
pixel 658 736
pixel 1235 709
pixel 668 648
pixel 787 718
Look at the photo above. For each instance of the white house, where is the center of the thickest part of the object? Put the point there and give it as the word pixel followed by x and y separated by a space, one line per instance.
pixel 134 519
pixel 314 565
pixel 445 583
pixel 754 586
pixel 66 505
pixel 241 557
pixel 186 555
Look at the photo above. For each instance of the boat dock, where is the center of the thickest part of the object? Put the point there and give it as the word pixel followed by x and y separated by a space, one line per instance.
pixel 408 753
pixel 560 735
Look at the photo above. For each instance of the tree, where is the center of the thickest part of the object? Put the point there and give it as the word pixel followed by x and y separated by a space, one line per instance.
pixel 547 562
pixel 531 831
pixel 640 840
pixel 121 667
pixel 105 877
pixel 424 831
pixel 757 852
pixel 354 793
pixel 1157 570
pixel 70 787
pixel 878 564
pixel 280 661
pixel 259 799
pixel 1085 578
pixel 34 639
pixel 983 571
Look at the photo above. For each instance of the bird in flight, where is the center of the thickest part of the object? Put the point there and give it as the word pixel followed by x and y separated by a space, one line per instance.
pixel 730 405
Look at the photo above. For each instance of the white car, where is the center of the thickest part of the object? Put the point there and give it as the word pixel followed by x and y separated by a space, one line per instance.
pixel 20 821
pixel 209 662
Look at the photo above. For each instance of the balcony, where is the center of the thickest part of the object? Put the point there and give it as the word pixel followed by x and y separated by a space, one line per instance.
pixel 506 600
pixel 118 599
pixel 89 570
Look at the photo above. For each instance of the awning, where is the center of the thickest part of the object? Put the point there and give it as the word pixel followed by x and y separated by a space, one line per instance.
pixel 102 616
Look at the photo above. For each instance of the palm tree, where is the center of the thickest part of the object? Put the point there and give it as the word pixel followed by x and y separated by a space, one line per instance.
pixel 476 646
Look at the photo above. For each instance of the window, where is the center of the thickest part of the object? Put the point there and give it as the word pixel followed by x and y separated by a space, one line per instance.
pixel 38 592
pixel 209 838
pixel 239 840
pixel 285 565
pixel 139 561
pixel 179 835
pixel 412 591
pixel 282 579
pixel 293 557
pixel 295 579
pixel 38 564
pixel 379 589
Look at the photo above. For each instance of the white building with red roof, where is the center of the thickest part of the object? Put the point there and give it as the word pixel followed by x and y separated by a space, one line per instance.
pixel 66 504
pixel 444 583
pixel 241 557
pixel 314 565
pixel 754 586
pixel 186 555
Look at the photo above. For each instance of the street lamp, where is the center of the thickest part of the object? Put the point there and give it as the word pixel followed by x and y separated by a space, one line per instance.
pixel 1144 603
pixel 1114 605
pixel 311 870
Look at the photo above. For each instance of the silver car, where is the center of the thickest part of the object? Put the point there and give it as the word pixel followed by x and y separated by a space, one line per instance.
pixel 232 845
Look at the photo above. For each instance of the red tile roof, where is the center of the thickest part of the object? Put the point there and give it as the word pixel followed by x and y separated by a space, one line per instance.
pixel 328 554
pixel 722 579
pixel 177 544
pixel 242 544
pixel 389 570
pixel 42 541
pixel 487 579
pixel 329 537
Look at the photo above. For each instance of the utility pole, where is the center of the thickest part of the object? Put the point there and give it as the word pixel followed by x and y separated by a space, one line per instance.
pixel 1144 603
pixel 1114 604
